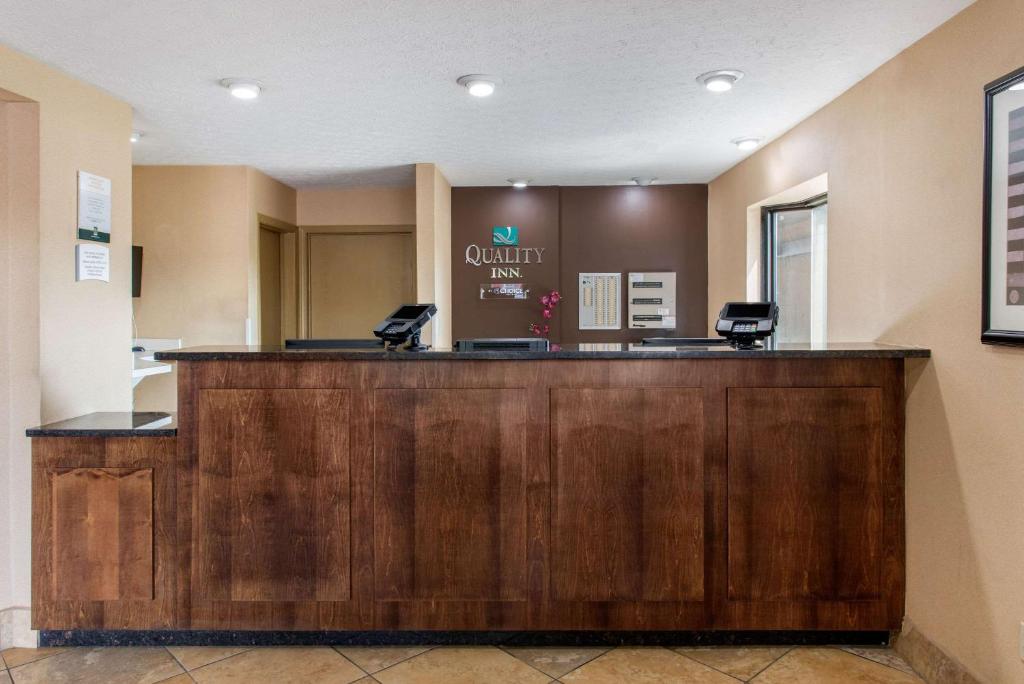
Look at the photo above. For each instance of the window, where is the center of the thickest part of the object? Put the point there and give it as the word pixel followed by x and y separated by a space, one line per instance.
pixel 795 242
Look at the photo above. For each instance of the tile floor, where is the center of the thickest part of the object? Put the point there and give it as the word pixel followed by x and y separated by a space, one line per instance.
pixel 454 665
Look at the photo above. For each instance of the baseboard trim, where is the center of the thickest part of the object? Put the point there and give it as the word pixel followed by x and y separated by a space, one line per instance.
pixel 16 628
pixel 933 664
pixel 536 638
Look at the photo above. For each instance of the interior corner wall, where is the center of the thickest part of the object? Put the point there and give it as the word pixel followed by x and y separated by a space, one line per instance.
pixel 273 199
pixel 68 347
pixel 904 158
pixel 19 354
pixel 193 223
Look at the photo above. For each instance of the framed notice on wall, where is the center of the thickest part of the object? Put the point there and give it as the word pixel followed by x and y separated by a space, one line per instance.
pixel 1002 317
pixel 93 207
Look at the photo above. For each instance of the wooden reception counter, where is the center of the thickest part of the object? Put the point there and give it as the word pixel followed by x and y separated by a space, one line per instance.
pixel 593 488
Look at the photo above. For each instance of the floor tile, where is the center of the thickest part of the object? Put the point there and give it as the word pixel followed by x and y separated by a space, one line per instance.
pixel 376 658
pixel 192 657
pixel 881 654
pixel 4 677
pixel 645 666
pixel 281 665
pixel 740 662
pixel 830 666
pixel 178 679
pixel 14 657
pixel 365 680
pixel 100 665
pixel 556 661
pixel 462 665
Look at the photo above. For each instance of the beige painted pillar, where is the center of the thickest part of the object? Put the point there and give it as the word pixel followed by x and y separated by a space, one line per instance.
pixel 434 251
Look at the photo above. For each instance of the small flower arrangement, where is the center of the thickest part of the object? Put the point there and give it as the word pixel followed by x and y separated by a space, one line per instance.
pixel 549 301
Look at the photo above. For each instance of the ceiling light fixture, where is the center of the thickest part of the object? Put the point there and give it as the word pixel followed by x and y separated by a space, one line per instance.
pixel 720 80
pixel 643 182
pixel 243 88
pixel 478 85
pixel 136 136
pixel 518 183
pixel 746 144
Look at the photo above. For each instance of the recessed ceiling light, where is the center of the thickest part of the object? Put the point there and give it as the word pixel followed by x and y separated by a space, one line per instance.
pixel 642 181
pixel 243 88
pixel 1017 86
pixel 720 80
pixel 518 182
pixel 136 136
pixel 746 144
pixel 478 85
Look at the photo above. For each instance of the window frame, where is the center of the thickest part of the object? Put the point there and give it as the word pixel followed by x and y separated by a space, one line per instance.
pixel 769 267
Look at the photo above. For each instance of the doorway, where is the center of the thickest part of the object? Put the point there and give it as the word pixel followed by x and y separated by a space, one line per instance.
pixel 355 276
pixel 278 276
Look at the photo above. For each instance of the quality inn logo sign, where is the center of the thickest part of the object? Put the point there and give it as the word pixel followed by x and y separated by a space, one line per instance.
pixel 504 256
pixel 503 236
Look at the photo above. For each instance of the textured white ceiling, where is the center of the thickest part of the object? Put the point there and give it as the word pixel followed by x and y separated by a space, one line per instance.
pixel 594 92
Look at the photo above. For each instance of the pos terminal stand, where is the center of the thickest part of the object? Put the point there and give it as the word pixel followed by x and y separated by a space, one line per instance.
pixel 405 323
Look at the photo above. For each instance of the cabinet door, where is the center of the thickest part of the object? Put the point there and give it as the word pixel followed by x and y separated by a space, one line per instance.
pixel 271 507
pixel 627 531
pixel 805 508
pixel 450 508
pixel 103 531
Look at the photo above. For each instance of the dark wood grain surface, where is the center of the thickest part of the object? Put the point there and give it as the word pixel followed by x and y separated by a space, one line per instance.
pixel 103 542
pixel 641 494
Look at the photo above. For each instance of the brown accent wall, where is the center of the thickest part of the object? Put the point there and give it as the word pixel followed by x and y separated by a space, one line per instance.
pixel 604 228
pixel 634 229
pixel 474 212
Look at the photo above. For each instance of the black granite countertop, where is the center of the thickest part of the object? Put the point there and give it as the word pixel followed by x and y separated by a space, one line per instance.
pixel 612 350
pixel 111 424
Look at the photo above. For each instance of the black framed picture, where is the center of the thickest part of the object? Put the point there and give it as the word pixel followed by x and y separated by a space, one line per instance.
pixel 1002 306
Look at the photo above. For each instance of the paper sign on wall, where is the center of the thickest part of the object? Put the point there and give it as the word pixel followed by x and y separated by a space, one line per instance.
pixel 92 262
pixel 93 207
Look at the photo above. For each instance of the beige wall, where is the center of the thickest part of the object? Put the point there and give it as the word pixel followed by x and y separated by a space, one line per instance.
pixel 192 224
pixel 199 228
pixel 434 251
pixel 903 153
pixel 356 206
pixel 273 199
pixel 65 345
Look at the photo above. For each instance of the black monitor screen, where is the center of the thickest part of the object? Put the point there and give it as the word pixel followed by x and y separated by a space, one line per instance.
pixel 760 310
pixel 136 271
pixel 409 312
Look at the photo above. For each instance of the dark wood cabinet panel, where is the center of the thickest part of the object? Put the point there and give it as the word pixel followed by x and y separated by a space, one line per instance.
pixel 450 499
pixel 598 494
pixel 628 495
pixel 272 495
pixel 103 533
pixel 805 495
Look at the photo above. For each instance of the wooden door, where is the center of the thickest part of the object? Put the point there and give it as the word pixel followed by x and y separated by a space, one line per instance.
pixel 356 279
pixel 806 508
pixel 271 514
pixel 627 519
